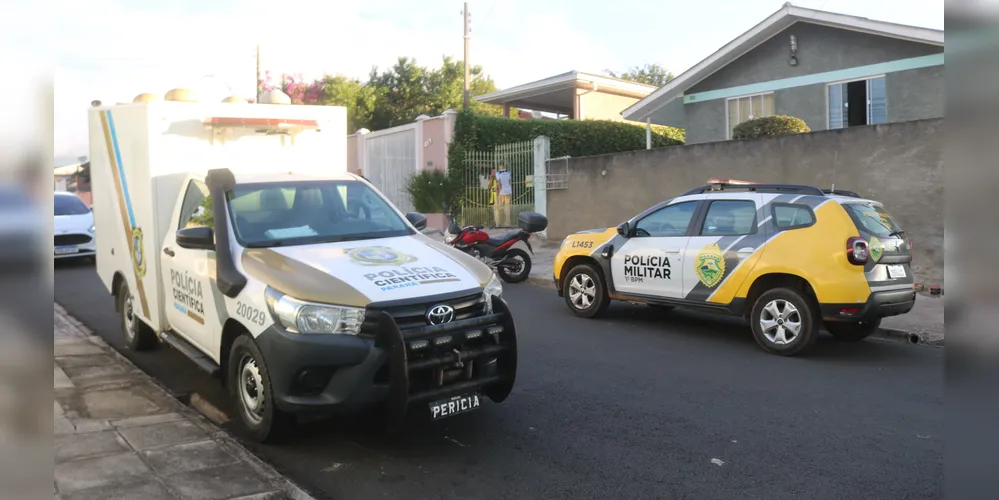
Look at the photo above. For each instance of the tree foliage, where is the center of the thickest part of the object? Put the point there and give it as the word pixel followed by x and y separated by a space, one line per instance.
pixel 393 96
pixel 650 74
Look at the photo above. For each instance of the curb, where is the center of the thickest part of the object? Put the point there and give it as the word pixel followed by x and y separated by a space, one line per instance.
pixel 890 334
pixel 278 480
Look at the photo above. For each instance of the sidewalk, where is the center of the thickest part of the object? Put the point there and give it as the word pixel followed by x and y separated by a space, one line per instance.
pixel 925 321
pixel 120 435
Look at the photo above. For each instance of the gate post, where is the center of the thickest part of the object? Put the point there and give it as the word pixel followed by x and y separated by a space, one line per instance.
pixel 542 151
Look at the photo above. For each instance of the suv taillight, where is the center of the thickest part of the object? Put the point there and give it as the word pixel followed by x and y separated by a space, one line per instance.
pixel 857 251
pixel 909 244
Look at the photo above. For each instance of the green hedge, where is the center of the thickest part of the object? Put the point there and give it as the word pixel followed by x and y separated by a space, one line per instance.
pixel 568 137
pixel 770 126
pixel 431 191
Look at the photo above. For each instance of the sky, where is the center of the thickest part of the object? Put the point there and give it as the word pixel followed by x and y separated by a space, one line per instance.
pixel 112 50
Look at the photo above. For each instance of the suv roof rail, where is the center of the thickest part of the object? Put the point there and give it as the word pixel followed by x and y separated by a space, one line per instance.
pixel 842 192
pixel 767 188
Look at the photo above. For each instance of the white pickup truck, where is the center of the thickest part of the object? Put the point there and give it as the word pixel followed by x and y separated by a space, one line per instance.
pixel 233 233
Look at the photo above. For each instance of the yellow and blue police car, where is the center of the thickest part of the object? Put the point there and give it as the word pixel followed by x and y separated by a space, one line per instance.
pixel 787 258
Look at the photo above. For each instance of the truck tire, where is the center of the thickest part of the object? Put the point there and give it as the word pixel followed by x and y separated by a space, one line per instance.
pixel 585 292
pixel 852 331
pixel 250 389
pixel 138 336
pixel 784 322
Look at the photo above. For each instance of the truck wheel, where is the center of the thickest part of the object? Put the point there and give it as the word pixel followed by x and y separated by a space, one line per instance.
pixel 518 267
pixel 250 389
pixel 138 336
pixel 852 331
pixel 585 292
pixel 783 322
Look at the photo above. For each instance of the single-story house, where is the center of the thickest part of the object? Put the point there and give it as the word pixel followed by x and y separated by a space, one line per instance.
pixel 831 70
pixel 576 94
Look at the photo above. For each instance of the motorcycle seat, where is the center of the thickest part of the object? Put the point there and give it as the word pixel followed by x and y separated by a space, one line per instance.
pixel 503 239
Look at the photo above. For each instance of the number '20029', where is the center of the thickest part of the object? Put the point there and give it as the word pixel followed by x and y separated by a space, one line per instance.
pixel 251 313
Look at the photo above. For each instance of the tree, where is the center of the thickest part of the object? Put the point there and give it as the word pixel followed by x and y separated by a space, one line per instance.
pixel 650 74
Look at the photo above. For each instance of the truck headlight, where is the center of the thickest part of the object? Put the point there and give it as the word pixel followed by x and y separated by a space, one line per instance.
pixel 92 230
pixel 448 237
pixel 298 316
pixel 493 289
pixel 566 240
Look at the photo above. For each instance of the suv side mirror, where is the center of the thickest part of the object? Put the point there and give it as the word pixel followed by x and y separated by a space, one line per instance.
pixel 624 229
pixel 196 238
pixel 418 220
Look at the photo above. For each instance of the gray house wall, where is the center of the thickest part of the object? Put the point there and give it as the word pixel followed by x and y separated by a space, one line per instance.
pixel 912 95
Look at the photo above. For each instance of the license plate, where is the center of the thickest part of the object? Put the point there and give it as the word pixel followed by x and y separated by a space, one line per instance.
pixel 66 250
pixel 454 406
pixel 896 271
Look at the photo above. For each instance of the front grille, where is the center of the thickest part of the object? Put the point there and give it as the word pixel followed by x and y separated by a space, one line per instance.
pixel 415 315
pixel 71 239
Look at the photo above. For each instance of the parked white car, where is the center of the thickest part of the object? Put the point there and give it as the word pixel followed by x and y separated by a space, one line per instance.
pixel 73 227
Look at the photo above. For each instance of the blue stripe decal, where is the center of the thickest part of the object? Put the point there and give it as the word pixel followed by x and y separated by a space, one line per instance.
pixel 829 76
pixel 121 170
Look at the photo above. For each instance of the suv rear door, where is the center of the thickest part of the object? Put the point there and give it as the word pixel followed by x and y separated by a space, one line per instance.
pixel 890 250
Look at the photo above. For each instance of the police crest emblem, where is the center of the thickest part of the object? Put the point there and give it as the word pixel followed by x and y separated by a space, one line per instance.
pixel 710 265
pixel 379 256
pixel 138 254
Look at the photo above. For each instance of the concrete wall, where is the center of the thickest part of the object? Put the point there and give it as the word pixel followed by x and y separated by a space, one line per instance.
pixel 899 164
pixel 601 106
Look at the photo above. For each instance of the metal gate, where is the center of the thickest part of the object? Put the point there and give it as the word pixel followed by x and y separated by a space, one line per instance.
pixel 390 160
pixel 478 205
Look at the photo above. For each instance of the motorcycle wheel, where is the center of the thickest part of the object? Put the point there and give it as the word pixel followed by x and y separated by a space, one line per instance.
pixel 516 266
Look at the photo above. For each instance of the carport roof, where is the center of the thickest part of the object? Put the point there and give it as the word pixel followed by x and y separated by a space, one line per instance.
pixel 555 94
pixel 771 26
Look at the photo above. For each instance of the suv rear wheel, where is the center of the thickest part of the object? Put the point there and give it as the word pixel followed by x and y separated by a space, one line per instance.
pixel 585 292
pixel 784 321
pixel 852 331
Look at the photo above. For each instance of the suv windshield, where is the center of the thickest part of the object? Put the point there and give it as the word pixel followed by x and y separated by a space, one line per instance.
pixel 308 212
pixel 69 205
pixel 873 219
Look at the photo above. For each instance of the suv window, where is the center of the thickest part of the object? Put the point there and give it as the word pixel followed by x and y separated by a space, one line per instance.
pixel 730 218
pixel 197 208
pixel 667 221
pixel 791 216
pixel 872 218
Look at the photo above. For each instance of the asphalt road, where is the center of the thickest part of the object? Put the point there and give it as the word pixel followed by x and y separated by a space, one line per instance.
pixel 638 405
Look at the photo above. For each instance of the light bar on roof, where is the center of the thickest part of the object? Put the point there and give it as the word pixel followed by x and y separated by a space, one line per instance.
pixel 719 180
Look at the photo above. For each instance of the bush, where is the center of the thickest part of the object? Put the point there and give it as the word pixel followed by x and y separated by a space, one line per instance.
pixel 474 132
pixel 431 191
pixel 770 126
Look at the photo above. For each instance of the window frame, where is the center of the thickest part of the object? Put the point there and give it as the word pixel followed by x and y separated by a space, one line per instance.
pixel 868 104
pixel 690 224
pixel 180 217
pixel 707 208
pixel 773 215
pixel 728 122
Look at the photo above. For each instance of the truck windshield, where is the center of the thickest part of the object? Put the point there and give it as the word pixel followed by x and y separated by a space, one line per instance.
pixel 309 212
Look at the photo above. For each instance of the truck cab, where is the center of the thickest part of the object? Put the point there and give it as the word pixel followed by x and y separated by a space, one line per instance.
pixel 303 289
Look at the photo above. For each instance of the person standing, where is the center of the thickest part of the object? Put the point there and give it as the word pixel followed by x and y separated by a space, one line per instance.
pixel 492 195
pixel 504 191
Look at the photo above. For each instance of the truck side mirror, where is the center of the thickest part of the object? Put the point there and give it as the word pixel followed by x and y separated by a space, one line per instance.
pixel 196 238
pixel 418 220
pixel 624 229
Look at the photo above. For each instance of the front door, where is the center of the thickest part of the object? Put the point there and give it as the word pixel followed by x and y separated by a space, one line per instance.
pixel 186 277
pixel 650 262
pixel 722 242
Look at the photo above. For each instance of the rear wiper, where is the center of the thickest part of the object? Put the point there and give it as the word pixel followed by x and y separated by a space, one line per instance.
pixel 897 233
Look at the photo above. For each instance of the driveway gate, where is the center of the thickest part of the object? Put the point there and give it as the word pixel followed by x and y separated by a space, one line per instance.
pixel 477 202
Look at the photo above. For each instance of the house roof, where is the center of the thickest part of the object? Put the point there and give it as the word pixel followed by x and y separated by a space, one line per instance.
pixel 777 22
pixel 555 94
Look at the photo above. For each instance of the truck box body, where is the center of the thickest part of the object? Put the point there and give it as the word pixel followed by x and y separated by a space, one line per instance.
pixel 142 153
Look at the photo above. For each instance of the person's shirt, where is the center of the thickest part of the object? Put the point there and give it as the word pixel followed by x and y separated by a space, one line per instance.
pixel 504 179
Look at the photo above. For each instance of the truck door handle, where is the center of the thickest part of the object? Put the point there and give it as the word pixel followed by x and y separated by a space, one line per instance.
pixel 168 251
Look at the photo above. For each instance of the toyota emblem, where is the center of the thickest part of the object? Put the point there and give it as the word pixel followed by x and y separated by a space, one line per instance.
pixel 440 314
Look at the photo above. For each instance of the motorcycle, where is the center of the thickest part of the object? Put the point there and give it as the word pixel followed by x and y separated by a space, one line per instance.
pixel 505 254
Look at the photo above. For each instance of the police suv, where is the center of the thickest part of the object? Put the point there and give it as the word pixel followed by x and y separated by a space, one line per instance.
pixel 787 258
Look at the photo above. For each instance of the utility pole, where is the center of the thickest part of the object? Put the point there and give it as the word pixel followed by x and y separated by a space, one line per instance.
pixel 257 85
pixel 467 37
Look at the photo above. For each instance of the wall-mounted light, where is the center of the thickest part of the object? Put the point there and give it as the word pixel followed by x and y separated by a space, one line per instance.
pixel 793 60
